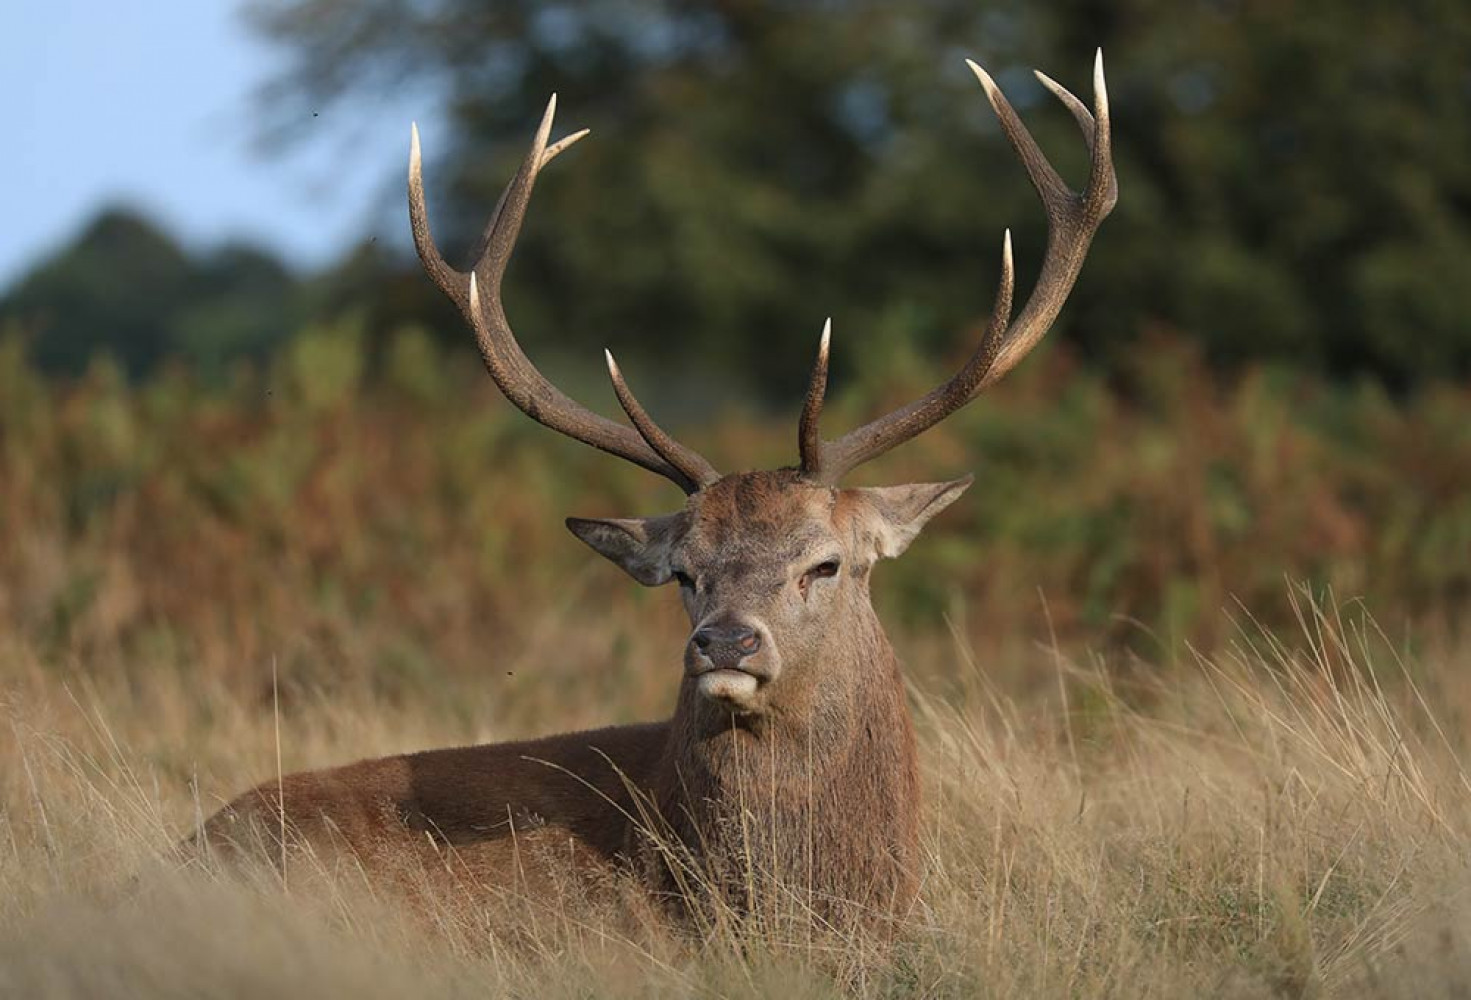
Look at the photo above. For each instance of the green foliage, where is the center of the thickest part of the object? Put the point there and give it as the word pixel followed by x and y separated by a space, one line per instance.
pixel 125 288
pixel 1295 178
pixel 323 366
pixel 1290 193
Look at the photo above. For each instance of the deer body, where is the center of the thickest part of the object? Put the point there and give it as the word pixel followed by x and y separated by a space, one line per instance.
pixel 492 808
pixel 788 771
pixel 511 815
pixel 720 794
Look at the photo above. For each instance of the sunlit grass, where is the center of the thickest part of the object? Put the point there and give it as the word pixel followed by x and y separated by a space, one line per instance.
pixel 1287 818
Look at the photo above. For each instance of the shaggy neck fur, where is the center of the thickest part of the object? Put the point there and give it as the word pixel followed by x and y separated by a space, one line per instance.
pixel 808 809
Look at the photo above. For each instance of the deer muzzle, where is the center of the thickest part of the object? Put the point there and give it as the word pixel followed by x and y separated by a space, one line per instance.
pixel 730 660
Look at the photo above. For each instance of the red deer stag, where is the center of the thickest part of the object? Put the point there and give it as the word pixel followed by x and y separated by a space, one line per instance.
pixel 790 753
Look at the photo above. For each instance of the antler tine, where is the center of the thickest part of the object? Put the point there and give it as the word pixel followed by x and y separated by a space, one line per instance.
pixel 809 437
pixel 1072 219
pixel 477 253
pixel 451 282
pixel 478 295
pixel 1103 182
pixel 690 463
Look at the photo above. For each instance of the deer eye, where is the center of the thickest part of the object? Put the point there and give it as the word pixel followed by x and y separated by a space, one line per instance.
pixel 821 571
pixel 824 569
pixel 684 580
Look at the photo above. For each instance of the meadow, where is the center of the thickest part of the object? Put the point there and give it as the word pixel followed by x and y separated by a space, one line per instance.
pixel 1189 664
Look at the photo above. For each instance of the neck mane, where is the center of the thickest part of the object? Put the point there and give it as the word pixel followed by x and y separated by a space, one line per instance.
pixel 816 801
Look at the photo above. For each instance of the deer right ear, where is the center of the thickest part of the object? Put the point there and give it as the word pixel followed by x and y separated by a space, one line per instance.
pixel 894 515
pixel 638 544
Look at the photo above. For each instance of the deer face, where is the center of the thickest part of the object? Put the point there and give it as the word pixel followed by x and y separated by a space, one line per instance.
pixel 773 570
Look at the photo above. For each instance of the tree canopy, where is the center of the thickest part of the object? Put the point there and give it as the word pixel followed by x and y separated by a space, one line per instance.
pixel 126 287
pixel 1295 178
pixel 1295 182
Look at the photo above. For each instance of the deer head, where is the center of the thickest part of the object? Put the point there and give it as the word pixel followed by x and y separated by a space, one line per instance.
pixel 773 570
pixel 773 566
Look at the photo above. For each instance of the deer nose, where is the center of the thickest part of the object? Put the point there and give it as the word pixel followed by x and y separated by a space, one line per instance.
pixel 726 645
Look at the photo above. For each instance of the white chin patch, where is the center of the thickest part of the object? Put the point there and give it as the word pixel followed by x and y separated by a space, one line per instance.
pixel 734 687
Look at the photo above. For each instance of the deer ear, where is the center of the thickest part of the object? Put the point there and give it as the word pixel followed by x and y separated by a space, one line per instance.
pixel 638 544
pixel 893 515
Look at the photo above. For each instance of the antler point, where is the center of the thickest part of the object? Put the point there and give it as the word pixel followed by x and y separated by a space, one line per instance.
pixel 546 120
pixel 985 78
pixel 475 315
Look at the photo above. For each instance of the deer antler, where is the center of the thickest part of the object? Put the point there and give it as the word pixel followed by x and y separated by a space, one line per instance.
pixel 1072 219
pixel 478 295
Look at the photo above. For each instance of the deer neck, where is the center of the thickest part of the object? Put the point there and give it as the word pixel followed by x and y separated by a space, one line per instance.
pixel 822 792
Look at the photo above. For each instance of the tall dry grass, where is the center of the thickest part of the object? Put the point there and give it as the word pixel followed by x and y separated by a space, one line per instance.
pixel 1287 818
pixel 1152 768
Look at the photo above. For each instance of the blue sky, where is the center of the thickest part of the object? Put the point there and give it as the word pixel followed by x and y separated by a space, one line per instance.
pixel 150 103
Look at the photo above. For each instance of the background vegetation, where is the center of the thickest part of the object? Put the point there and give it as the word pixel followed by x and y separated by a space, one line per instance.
pixel 393 526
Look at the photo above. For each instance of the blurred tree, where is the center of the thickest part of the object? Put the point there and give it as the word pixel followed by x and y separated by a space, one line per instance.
pixel 126 287
pixel 111 288
pixel 1296 177
pixel 240 304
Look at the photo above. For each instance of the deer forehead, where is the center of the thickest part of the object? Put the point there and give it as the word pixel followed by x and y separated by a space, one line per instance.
pixel 770 518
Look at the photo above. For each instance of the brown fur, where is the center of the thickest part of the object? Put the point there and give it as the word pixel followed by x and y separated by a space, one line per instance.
pixel 804 796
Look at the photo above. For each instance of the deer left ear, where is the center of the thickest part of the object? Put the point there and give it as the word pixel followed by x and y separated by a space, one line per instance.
pixel 893 515
pixel 640 545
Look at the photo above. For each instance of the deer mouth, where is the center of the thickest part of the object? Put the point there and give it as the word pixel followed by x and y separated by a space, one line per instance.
pixel 730 663
pixel 729 685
